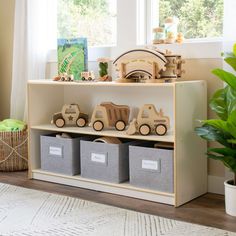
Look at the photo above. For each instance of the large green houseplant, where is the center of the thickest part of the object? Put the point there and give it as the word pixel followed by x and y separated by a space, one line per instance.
pixel 223 129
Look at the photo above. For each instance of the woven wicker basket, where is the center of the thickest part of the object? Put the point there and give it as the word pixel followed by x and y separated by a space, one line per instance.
pixel 14 150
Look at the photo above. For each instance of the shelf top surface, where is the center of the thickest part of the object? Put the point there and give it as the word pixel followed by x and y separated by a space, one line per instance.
pixel 169 137
pixel 108 84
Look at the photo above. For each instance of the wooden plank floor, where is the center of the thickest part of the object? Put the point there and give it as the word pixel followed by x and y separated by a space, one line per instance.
pixel 206 210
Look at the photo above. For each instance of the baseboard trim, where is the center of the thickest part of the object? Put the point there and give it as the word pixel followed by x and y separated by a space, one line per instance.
pixel 216 184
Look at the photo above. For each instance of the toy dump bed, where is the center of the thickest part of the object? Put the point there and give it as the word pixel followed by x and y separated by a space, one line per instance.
pixel 116 113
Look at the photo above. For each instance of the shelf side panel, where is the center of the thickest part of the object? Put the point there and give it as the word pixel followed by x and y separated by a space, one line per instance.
pixel 43 101
pixel 190 159
pixel 34 161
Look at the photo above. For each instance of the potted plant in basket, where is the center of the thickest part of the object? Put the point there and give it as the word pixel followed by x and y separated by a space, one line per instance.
pixel 223 129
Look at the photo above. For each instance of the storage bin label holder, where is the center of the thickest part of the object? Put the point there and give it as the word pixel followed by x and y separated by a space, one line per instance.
pixel 55 151
pixel 150 165
pixel 100 158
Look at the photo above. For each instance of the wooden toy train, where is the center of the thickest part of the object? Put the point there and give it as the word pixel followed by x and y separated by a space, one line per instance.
pixel 148 65
pixel 108 115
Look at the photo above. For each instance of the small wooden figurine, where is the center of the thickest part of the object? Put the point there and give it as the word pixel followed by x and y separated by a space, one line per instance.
pixel 64 77
pixel 103 69
pixel 70 115
pixel 108 114
pixel 149 121
pixel 170 38
pixel 87 76
pixel 179 38
pixel 159 35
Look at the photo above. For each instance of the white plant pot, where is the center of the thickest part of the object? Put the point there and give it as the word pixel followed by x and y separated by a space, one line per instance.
pixel 230 198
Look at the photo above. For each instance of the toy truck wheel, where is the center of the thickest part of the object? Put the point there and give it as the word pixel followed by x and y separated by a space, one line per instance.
pixel 161 129
pixel 83 78
pixel 60 122
pixel 98 125
pixel 120 125
pixel 90 78
pixel 81 122
pixel 144 129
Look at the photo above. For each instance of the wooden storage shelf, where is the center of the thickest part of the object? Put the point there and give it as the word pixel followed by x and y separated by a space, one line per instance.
pixel 184 102
pixel 122 188
pixel 169 137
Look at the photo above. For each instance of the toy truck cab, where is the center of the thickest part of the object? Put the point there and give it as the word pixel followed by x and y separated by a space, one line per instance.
pixel 70 115
pixel 151 121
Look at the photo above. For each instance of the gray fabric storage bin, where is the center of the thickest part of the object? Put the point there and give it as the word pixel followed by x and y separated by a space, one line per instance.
pixel 60 155
pixel 152 168
pixel 106 162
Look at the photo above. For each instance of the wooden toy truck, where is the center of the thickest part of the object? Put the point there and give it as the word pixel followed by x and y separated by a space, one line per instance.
pixel 87 75
pixel 108 114
pixel 64 77
pixel 149 121
pixel 70 115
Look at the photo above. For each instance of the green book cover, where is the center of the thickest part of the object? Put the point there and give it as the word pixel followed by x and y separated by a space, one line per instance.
pixel 72 56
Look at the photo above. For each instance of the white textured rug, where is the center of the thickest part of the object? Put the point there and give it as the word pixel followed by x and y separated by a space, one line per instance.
pixel 26 212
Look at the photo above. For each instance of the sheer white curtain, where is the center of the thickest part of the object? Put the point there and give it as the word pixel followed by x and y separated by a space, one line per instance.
pixel 34 35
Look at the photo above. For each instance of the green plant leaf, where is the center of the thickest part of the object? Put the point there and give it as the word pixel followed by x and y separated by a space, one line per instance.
pixel 227 54
pixel 218 103
pixel 218 124
pixel 234 49
pixel 223 151
pixel 231 61
pixel 233 141
pixel 231 124
pixel 228 161
pixel 210 133
pixel 230 99
pixel 227 77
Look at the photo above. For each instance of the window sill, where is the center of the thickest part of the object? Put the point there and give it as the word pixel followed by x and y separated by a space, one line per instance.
pixel 194 49
pixel 189 49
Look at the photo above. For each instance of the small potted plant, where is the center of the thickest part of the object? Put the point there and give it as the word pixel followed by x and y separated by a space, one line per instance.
pixel 223 129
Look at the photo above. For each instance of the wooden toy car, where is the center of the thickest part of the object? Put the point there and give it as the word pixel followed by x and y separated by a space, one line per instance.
pixel 70 115
pixel 87 76
pixel 64 77
pixel 149 121
pixel 108 114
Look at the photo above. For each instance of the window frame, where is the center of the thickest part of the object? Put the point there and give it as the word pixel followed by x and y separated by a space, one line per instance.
pixel 128 37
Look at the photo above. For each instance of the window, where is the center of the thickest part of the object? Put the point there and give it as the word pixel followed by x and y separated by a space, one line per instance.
pixel 93 19
pixel 197 18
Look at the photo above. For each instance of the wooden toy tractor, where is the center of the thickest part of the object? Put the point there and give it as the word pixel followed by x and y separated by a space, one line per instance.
pixel 70 115
pixel 108 115
pixel 149 121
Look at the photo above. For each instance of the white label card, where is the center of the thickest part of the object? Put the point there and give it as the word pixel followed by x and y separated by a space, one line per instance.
pixel 151 165
pixel 56 151
pixel 98 157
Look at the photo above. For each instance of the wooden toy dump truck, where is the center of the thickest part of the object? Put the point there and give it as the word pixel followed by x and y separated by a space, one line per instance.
pixel 108 115
pixel 149 121
pixel 70 115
